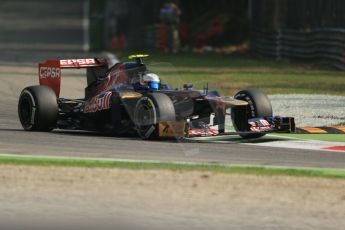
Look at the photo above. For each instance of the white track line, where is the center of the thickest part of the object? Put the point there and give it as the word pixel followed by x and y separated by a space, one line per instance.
pixel 162 162
pixel 301 144
pixel 285 142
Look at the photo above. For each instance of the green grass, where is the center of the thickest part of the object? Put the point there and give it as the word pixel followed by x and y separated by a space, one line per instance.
pixel 230 73
pixel 320 137
pixel 146 165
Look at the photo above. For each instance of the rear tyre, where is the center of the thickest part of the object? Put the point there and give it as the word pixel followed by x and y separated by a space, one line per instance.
pixel 258 106
pixel 38 108
pixel 149 111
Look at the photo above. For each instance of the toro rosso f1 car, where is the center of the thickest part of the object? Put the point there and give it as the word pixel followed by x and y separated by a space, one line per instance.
pixel 127 99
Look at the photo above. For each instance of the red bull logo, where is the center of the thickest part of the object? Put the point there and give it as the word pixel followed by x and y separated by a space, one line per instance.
pixel 98 103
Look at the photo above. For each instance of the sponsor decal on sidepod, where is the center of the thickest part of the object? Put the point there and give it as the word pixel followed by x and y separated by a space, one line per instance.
pixel 98 103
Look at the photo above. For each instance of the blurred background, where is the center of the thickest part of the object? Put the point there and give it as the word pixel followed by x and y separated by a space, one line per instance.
pixel 304 29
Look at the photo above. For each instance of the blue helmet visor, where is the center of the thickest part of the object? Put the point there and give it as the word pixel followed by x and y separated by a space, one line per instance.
pixel 154 85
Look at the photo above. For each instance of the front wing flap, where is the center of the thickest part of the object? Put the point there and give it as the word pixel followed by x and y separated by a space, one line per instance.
pixel 272 124
pixel 256 125
pixel 180 129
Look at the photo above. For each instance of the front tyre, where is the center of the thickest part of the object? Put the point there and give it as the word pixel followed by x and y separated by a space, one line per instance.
pixel 149 111
pixel 38 108
pixel 258 106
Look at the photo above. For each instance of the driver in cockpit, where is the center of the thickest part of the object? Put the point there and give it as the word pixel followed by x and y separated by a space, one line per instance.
pixel 147 81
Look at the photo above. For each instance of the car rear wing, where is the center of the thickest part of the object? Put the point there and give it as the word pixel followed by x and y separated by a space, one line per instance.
pixel 49 72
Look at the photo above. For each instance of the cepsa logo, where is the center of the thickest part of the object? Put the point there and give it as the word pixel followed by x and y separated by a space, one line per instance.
pixel 53 72
pixel 76 62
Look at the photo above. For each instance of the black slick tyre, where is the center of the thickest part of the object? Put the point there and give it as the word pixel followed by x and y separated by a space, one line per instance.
pixel 149 111
pixel 258 106
pixel 38 108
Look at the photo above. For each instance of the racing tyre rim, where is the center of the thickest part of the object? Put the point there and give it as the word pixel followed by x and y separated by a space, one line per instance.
pixel 240 116
pixel 145 117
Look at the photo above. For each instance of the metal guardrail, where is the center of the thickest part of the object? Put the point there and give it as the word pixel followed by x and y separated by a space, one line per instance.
pixel 321 45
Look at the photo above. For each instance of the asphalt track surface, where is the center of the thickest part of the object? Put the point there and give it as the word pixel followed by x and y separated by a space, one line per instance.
pixel 15 75
pixel 18 69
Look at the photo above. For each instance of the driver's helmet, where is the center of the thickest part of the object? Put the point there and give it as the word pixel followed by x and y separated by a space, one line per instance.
pixel 151 80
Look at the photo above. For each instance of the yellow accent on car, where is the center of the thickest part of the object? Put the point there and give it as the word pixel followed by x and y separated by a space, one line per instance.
pixel 133 56
pixel 128 95
pixel 172 129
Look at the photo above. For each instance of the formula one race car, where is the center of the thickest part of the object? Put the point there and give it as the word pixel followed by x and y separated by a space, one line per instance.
pixel 127 99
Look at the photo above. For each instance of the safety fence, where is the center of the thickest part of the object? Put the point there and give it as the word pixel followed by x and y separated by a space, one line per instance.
pixel 325 45
pixel 152 37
